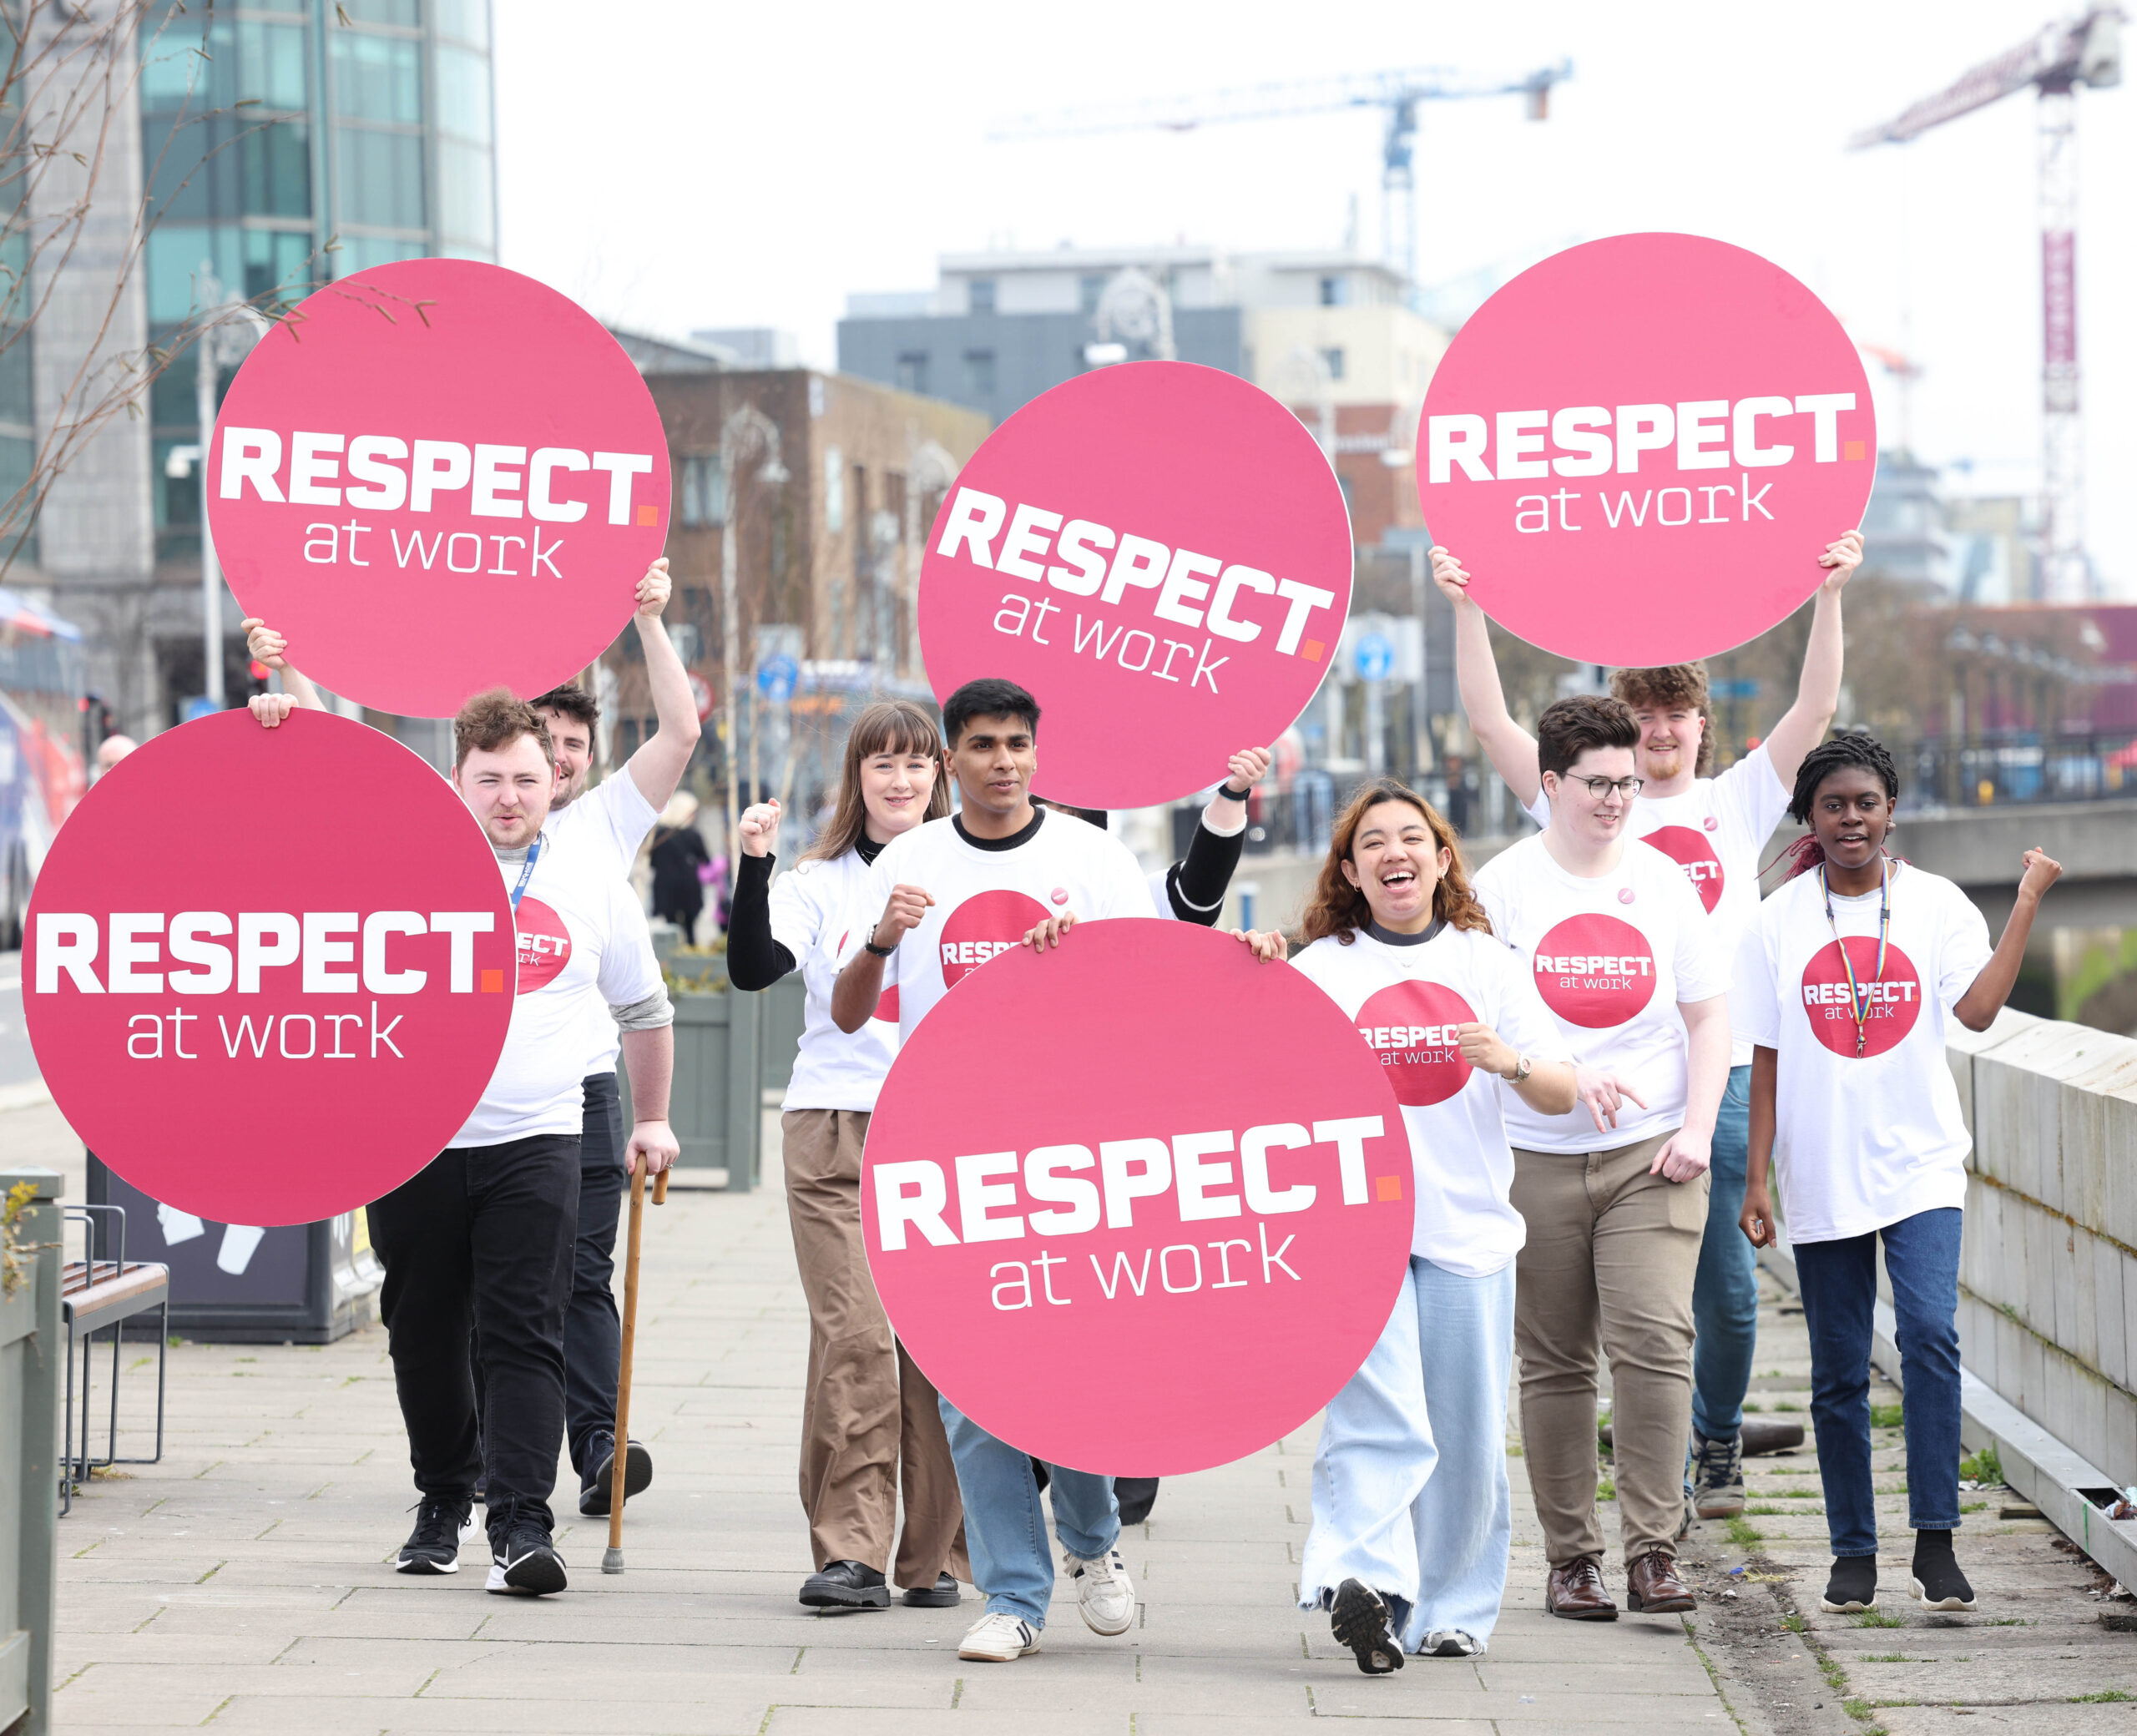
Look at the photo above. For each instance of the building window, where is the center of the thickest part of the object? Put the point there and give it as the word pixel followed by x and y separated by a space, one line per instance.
pixel 980 295
pixel 1335 292
pixel 1334 359
pixel 834 490
pixel 705 489
pixel 1089 288
pixel 979 373
pixel 912 371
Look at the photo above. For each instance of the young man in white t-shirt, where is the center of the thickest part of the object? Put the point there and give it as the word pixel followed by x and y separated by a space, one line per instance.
pixel 1715 828
pixel 1617 943
pixel 953 893
pixel 477 1244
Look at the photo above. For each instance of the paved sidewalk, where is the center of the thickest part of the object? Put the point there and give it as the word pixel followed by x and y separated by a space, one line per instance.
pixel 243 1582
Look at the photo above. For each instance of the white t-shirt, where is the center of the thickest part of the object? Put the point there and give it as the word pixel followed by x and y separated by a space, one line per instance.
pixel 987 900
pixel 1406 1001
pixel 1716 831
pixel 1862 1142
pixel 578 957
pixel 1612 957
pixel 613 817
pixel 820 914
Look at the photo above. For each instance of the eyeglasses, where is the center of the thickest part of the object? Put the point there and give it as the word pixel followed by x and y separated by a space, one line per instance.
pixel 1600 788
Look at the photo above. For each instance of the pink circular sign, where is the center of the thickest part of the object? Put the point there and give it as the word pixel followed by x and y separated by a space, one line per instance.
pixel 1639 448
pixel 1147 1210
pixel 268 973
pixel 1160 554
pixel 425 451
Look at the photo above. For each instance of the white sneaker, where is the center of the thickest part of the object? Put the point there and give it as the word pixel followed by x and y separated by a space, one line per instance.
pixel 1450 1642
pixel 999 1638
pixel 1103 1595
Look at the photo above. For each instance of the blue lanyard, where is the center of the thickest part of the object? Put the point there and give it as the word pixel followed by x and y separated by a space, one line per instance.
pixel 526 874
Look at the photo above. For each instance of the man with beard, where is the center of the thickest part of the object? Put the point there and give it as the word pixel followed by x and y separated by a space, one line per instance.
pixel 1715 828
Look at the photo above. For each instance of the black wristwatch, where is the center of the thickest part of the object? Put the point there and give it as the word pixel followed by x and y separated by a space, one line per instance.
pixel 879 952
pixel 1237 796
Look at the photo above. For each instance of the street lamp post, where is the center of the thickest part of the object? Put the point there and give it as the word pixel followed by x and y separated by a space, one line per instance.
pixel 746 432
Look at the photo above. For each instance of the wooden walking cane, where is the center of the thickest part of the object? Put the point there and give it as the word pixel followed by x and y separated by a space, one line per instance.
pixel 612 1560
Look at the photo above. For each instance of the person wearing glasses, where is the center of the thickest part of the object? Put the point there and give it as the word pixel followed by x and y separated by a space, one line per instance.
pixel 1854 972
pixel 1619 945
pixel 1715 828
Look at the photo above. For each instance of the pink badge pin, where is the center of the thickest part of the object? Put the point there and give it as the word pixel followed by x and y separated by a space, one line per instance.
pixel 1060 895
pixel 1624 894
pixel 1711 824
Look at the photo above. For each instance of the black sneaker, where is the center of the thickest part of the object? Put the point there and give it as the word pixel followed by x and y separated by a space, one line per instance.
pixel 1938 1583
pixel 1361 1622
pixel 599 1482
pixel 433 1546
pixel 943 1594
pixel 523 1559
pixel 1717 1475
pixel 843 1586
pixel 1853 1587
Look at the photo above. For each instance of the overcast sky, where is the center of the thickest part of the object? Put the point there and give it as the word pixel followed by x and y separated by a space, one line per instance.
pixel 691 164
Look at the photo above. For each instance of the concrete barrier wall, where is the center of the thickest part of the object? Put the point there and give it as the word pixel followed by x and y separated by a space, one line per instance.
pixel 2047 1279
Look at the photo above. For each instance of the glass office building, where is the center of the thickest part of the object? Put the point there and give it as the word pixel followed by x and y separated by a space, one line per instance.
pixel 286 143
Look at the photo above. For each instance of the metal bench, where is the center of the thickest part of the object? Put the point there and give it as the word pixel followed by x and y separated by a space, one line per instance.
pixel 97 1295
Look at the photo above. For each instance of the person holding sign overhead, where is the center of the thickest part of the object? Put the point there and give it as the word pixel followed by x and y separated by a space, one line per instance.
pixel 870 1423
pixel 1618 944
pixel 1852 973
pixel 1412 1516
pixel 1715 828
pixel 952 894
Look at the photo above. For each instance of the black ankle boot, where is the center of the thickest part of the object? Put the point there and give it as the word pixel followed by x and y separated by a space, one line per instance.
pixel 1853 1586
pixel 1938 1583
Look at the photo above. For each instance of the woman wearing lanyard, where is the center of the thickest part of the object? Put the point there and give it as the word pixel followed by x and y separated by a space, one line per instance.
pixel 1412 1512
pixel 1852 972
pixel 870 1424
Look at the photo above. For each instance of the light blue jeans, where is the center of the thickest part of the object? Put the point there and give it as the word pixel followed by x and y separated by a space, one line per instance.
pixel 1725 1288
pixel 1005 1526
pixel 1410 1489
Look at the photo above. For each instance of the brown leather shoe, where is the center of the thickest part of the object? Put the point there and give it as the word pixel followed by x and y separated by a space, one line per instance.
pixel 1652 1586
pixel 1576 1591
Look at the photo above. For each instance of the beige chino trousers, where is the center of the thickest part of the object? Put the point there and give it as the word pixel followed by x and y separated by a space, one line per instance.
pixel 870 1425
pixel 1607 1271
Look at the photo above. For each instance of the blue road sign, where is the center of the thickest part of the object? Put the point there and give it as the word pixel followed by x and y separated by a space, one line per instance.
pixel 1374 654
pixel 776 676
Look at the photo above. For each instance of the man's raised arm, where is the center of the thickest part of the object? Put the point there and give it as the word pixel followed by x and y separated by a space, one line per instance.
pixel 658 767
pixel 1804 724
pixel 269 648
pixel 1511 748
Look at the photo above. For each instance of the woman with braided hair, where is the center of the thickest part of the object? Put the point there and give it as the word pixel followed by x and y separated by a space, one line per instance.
pixel 1853 971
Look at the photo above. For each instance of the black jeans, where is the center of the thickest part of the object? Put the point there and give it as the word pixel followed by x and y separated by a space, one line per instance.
pixel 480 1241
pixel 594 1333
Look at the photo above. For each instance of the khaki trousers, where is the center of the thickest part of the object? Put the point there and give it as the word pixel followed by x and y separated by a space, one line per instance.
pixel 1608 1268
pixel 870 1422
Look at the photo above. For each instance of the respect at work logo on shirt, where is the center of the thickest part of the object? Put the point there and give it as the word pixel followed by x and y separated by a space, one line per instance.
pixel 983 926
pixel 1690 851
pixel 544 946
pixel 1595 971
pixel 1411 1028
pixel 1895 999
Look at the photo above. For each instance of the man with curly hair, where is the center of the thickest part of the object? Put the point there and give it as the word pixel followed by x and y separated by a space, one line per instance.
pixel 1714 828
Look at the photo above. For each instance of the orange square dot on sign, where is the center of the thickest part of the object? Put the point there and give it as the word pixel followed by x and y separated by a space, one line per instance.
pixel 492 982
pixel 1387 1187
pixel 648 515
pixel 1854 449
pixel 1311 650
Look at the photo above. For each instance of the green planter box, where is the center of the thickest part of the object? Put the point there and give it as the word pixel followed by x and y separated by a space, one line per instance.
pixel 32 1356
pixel 716 1105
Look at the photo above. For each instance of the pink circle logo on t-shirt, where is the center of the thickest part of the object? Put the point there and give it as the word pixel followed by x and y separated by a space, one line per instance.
pixel 544 946
pixel 887 1003
pixel 1410 1028
pixel 1895 999
pixel 1689 850
pixel 983 926
pixel 1595 971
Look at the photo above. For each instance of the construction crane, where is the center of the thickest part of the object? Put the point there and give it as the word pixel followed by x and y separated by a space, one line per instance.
pixel 2086 49
pixel 1398 93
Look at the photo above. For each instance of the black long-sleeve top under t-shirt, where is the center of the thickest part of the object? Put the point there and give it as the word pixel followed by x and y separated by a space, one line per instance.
pixel 1196 884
